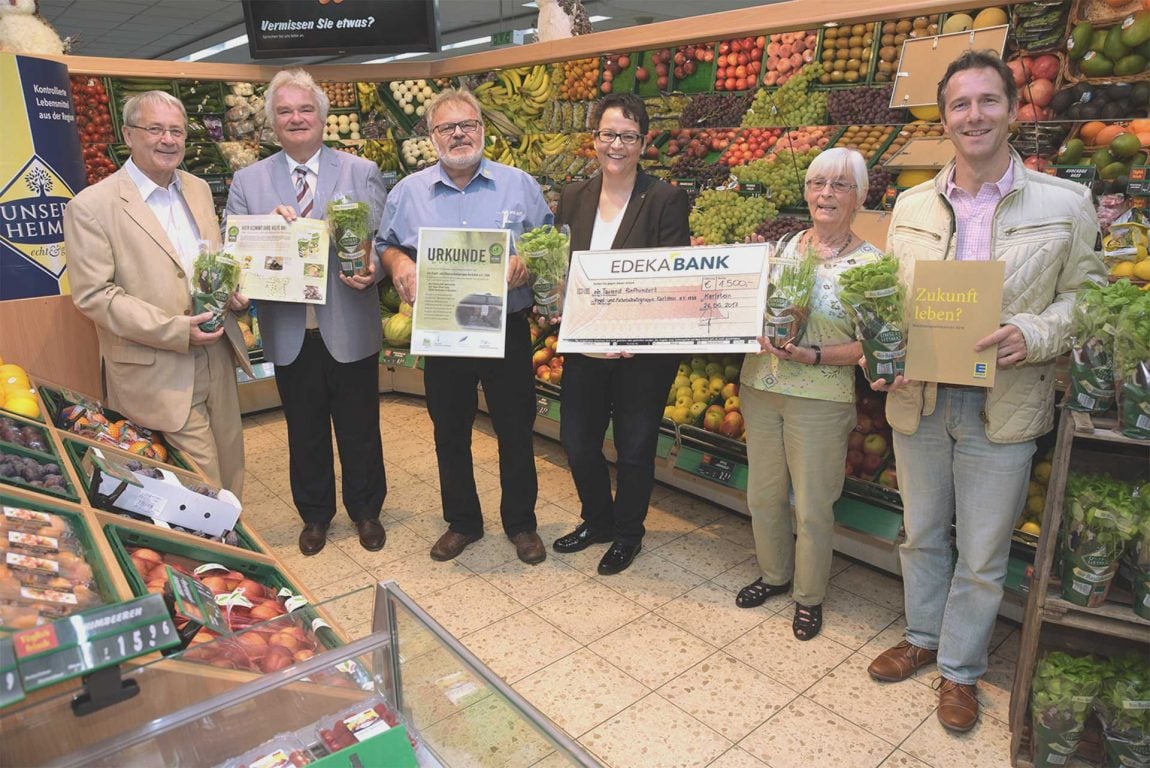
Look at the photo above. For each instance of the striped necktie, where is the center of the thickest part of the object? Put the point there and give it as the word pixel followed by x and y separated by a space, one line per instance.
pixel 303 194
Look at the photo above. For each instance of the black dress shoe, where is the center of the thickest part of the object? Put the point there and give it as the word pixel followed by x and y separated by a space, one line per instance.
pixel 579 539
pixel 312 538
pixel 372 537
pixel 618 558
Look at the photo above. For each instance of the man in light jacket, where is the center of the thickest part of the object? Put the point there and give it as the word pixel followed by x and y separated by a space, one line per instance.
pixel 964 453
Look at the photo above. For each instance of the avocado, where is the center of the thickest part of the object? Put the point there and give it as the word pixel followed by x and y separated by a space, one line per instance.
pixel 1140 93
pixel 1098 40
pixel 1125 146
pixel 1075 111
pixel 1113 171
pixel 1079 41
pixel 1113 47
pixel 1071 152
pixel 1135 29
pixel 1118 91
pixel 1144 49
pixel 1061 102
pixel 1114 110
pixel 1101 158
pixel 1130 65
pixel 1094 64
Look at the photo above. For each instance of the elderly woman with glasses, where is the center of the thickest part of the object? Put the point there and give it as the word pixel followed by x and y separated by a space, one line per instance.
pixel 798 402
pixel 620 207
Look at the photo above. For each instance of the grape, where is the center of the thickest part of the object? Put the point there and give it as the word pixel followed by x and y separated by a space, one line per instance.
pixel 725 216
pixel 775 229
pixel 782 176
pixel 790 105
pixel 852 106
pixel 714 110
pixel 706 175
pixel 879 178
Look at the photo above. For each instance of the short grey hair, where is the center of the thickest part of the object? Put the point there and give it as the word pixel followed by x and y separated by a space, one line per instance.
pixel 294 78
pixel 452 96
pixel 842 162
pixel 134 105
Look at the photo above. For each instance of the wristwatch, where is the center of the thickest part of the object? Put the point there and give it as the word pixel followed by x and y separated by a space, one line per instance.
pixel 818 354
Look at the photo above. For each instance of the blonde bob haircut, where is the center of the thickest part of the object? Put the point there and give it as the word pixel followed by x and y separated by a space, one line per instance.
pixel 294 78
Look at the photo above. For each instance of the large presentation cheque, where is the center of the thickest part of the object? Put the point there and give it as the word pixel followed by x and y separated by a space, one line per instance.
pixel 668 300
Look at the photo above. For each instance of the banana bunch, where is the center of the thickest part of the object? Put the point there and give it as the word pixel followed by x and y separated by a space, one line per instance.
pixel 384 152
pixel 535 149
pixel 499 150
pixel 519 95
pixel 369 100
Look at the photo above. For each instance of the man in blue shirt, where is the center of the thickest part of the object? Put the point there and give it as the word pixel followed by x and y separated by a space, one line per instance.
pixel 467 191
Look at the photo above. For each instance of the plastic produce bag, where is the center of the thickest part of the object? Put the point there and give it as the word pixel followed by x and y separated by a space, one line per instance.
pixel 789 291
pixel 1061 696
pixel 1123 706
pixel 1094 320
pixel 546 252
pixel 1101 516
pixel 351 228
pixel 874 297
pixel 214 278
pixel 1132 367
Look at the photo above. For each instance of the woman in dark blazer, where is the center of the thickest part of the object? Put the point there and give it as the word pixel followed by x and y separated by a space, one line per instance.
pixel 620 207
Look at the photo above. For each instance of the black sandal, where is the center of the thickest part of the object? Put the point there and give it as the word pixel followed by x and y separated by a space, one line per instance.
pixel 756 593
pixel 808 621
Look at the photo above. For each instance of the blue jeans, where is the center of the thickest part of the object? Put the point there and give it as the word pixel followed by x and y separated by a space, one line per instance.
pixel 948 471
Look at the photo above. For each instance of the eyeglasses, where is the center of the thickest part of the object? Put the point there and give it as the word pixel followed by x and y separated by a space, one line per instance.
pixel 447 129
pixel 156 131
pixel 608 137
pixel 837 186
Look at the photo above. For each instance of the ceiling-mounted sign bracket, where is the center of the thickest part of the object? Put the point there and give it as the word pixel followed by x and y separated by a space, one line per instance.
pixel 923 62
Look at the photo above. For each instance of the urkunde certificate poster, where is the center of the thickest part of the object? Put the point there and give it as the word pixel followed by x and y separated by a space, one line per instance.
pixel 678 300
pixel 461 292
pixel 279 261
pixel 953 304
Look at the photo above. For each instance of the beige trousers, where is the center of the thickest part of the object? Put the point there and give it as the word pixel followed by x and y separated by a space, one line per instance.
pixel 801 443
pixel 213 435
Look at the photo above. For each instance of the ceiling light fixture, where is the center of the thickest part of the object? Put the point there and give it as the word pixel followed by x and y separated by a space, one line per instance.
pixel 212 50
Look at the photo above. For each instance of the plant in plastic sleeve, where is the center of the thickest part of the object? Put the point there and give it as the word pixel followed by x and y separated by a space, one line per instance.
pixel 1061 695
pixel 351 229
pixel 1132 367
pixel 215 276
pixel 1101 516
pixel 1123 706
pixel 788 298
pixel 546 252
pixel 874 297
pixel 1137 557
pixel 1093 326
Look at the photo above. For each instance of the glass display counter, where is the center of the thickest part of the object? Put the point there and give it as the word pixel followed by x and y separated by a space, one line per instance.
pixel 407 693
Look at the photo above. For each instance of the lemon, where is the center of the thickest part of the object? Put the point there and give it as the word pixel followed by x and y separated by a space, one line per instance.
pixel 1032 528
pixel 1142 270
pixel 989 17
pixel 1122 269
pixel 928 112
pixel 13 374
pixel 23 405
pixel 1042 471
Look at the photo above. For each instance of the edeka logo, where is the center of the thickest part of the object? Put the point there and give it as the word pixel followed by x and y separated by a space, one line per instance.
pixel 32 215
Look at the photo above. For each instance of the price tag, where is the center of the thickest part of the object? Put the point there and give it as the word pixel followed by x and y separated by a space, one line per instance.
pixel 11 690
pixel 1083 174
pixel 91 640
pixel 717 469
pixel 547 408
pixel 1139 184
pixel 195 602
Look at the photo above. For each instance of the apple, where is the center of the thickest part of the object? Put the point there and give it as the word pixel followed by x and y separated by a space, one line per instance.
pixel 713 417
pixel 855 441
pixel 875 445
pixel 684 369
pixel 864 424
pixel 1044 67
pixel 642 75
pixel 729 390
pixel 557 361
pixel 556 374
pixel 683 402
pixel 543 372
pixel 542 356
pixel 697 410
pixel 871 463
pixel 716 384
pixel 731 372
pixel 669 412
pixel 732 424
pixel 888 478
pixel 878 421
pixel 854 458
pixel 551 341
pixel 701 396
pixel 699 364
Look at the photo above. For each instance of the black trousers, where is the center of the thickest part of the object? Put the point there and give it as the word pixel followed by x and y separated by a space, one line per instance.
pixel 632 392
pixel 452 401
pixel 319 392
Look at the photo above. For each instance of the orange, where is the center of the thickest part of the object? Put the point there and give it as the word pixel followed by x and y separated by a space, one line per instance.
pixel 1143 138
pixel 23 405
pixel 1107 134
pixel 1089 131
pixel 1139 125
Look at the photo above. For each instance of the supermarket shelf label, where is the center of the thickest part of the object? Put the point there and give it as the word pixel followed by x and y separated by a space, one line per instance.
pixel 398 358
pixel 718 469
pixel 195 602
pixel 11 689
pixel 1083 174
pixel 547 407
pixel 92 640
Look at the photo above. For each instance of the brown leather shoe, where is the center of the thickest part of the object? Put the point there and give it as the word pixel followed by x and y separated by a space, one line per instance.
pixel 957 705
pixel 900 662
pixel 451 544
pixel 312 538
pixel 529 547
pixel 372 536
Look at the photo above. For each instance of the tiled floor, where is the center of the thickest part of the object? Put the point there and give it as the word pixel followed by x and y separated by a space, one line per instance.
pixel 656 666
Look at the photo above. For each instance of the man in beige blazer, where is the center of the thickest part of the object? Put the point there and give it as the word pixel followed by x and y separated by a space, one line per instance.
pixel 132 240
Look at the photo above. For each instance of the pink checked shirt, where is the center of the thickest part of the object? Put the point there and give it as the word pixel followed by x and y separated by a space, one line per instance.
pixel 974 215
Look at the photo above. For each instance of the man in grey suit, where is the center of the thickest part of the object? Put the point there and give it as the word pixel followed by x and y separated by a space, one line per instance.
pixel 325 355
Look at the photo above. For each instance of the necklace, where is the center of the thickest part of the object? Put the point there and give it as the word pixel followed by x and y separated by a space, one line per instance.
pixel 824 247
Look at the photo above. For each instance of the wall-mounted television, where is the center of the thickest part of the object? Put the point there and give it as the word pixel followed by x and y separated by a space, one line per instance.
pixel 291 28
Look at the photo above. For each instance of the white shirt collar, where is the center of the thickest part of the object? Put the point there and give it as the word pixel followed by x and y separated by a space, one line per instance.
pixel 312 164
pixel 146 185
